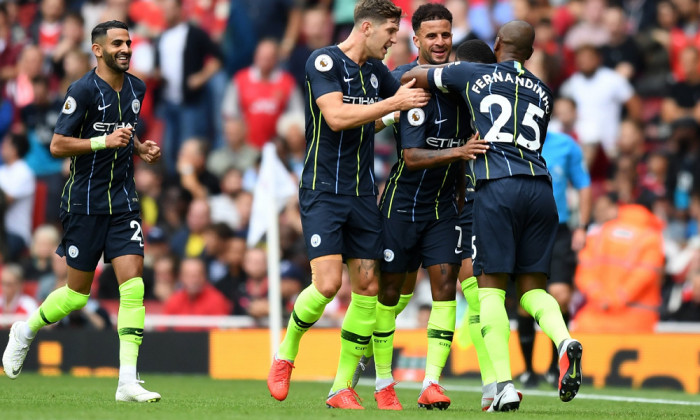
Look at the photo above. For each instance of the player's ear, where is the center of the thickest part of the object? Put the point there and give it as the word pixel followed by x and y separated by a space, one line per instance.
pixel 415 42
pixel 497 44
pixel 97 50
pixel 366 27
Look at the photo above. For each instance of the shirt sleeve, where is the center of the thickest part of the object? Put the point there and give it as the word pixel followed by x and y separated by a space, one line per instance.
pixel 412 124
pixel 73 111
pixel 451 78
pixel 388 82
pixel 322 75
pixel 576 167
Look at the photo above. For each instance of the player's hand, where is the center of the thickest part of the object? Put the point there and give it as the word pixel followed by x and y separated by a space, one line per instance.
pixel 475 146
pixel 578 239
pixel 119 138
pixel 149 151
pixel 408 97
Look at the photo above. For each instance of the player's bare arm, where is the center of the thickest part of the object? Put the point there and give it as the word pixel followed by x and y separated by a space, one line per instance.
pixel 420 74
pixel 418 158
pixel 149 150
pixel 64 146
pixel 341 116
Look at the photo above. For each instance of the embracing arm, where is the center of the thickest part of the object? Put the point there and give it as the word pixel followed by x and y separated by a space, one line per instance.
pixel 341 116
pixel 417 158
pixel 420 73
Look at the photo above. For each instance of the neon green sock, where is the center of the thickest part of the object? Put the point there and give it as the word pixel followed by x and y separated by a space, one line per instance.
pixel 58 304
pixel 355 334
pixel 403 301
pixel 130 320
pixel 308 308
pixel 471 294
pixel 495 329
pixel 383 339
pixel 441 330
pixel 546 311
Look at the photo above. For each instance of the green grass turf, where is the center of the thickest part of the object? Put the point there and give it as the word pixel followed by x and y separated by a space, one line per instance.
pixel 198 397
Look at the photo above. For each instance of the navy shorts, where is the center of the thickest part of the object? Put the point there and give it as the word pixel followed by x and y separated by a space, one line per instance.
pixel 87 237
pixel 515 224
pixel 340 224
pixel 407 244
pixel 465 222
pixel 564 258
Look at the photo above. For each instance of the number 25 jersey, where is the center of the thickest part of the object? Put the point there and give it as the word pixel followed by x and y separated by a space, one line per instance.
pixel 510 108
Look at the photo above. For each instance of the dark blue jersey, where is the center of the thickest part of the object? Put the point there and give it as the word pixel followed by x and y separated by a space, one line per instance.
pixel 342 162
pixel 100 182
pixel 426 194
pixel 510 108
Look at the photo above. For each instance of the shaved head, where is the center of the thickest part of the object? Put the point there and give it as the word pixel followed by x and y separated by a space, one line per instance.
pixel 514 41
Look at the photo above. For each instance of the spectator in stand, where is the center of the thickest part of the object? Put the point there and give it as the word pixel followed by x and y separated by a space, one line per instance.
pixel 316 32
pixel 684 163
pixel 197 296
pixel 683 97
pixel 600 94
pixel 224 206
pixel 216 238
pixel 620 272
pixel 75 64
pixel 164 277
pixel 291 284
pixel 29 66
pixel 235 275
pixel 291 129
pixel 149 186
pixel 461 31
pixel 157 246
pixel 191 166
pixel 236 153
pixel 17 185
pixel 687 34
pixel 564 116
pixel 13 301
pixel 260 93
pixel 188 242
pixel 45 31
pixel 45 240
pixel 9 48
pixel 56 277
pixel 72 38
pixel 653 181
pixel 186 58
pixel 172 206
pixel 486 16
pixel 279 20
pixel 622 53
pixel 590 30
pixel 252 294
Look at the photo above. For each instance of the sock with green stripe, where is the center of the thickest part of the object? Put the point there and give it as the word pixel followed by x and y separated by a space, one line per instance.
pixel 383 340
pixel 355 334
pixel 308 308
pixel 57 305
pixel 441 330
pixel 471 294
pixel 403 301
pixel 130 320
pixel 495 329
pixel 546 311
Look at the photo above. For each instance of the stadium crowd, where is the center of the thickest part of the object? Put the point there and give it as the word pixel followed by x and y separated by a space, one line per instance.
pixel 226 77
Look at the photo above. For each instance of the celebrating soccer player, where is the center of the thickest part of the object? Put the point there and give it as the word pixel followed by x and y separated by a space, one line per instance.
pixel 337 196
pixel 99 207
pixel 515 216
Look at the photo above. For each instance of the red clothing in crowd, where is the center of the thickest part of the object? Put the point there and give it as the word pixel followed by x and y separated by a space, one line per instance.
pixel 209 302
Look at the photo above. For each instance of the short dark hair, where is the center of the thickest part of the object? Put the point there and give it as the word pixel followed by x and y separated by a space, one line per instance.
pixel 101 29
pixel 20 142
pixel 376 10
pixel 429 11
pixel 475 51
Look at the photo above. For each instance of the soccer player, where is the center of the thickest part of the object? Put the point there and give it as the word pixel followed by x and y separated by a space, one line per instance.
pixel 515 217
pixel 420 215
pixel 99 207
pixel 337 196
pixel 566 165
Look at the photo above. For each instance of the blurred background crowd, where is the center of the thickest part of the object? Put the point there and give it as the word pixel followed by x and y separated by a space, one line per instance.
pixel 226 77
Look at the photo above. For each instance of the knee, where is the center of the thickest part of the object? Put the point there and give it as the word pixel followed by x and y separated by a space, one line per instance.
pixel 388 296
pixel 368 288
pixel 562 295
pixel 327 288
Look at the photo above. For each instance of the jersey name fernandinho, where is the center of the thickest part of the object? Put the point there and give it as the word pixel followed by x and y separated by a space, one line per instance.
pixel 511 109
pixel 100 182
pixel 426 194
pixel 342 162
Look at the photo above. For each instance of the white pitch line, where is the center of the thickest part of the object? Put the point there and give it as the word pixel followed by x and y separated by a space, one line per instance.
pixel 538 393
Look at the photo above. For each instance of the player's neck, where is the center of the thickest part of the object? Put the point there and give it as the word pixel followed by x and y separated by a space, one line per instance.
pixel 114 79
pixel 354 48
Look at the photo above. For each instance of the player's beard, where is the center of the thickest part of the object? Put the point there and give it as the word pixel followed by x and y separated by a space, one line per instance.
pixel 111 62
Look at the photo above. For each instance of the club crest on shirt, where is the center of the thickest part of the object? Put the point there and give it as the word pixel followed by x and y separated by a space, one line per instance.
pixel 69 106
pixel 416 117
pixel 323 63
pixel 136 106
pixel 374 81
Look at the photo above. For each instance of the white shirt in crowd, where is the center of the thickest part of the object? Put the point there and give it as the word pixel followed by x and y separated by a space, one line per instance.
pixel 17 181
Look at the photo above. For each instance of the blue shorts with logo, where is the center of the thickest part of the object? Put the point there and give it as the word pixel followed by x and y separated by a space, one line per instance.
pixel 408 244
pixel 87 237
pixel 515 225
pixel 340 224
pixel 465 222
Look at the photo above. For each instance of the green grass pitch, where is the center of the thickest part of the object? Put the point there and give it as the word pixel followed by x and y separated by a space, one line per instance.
pixel 35 397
